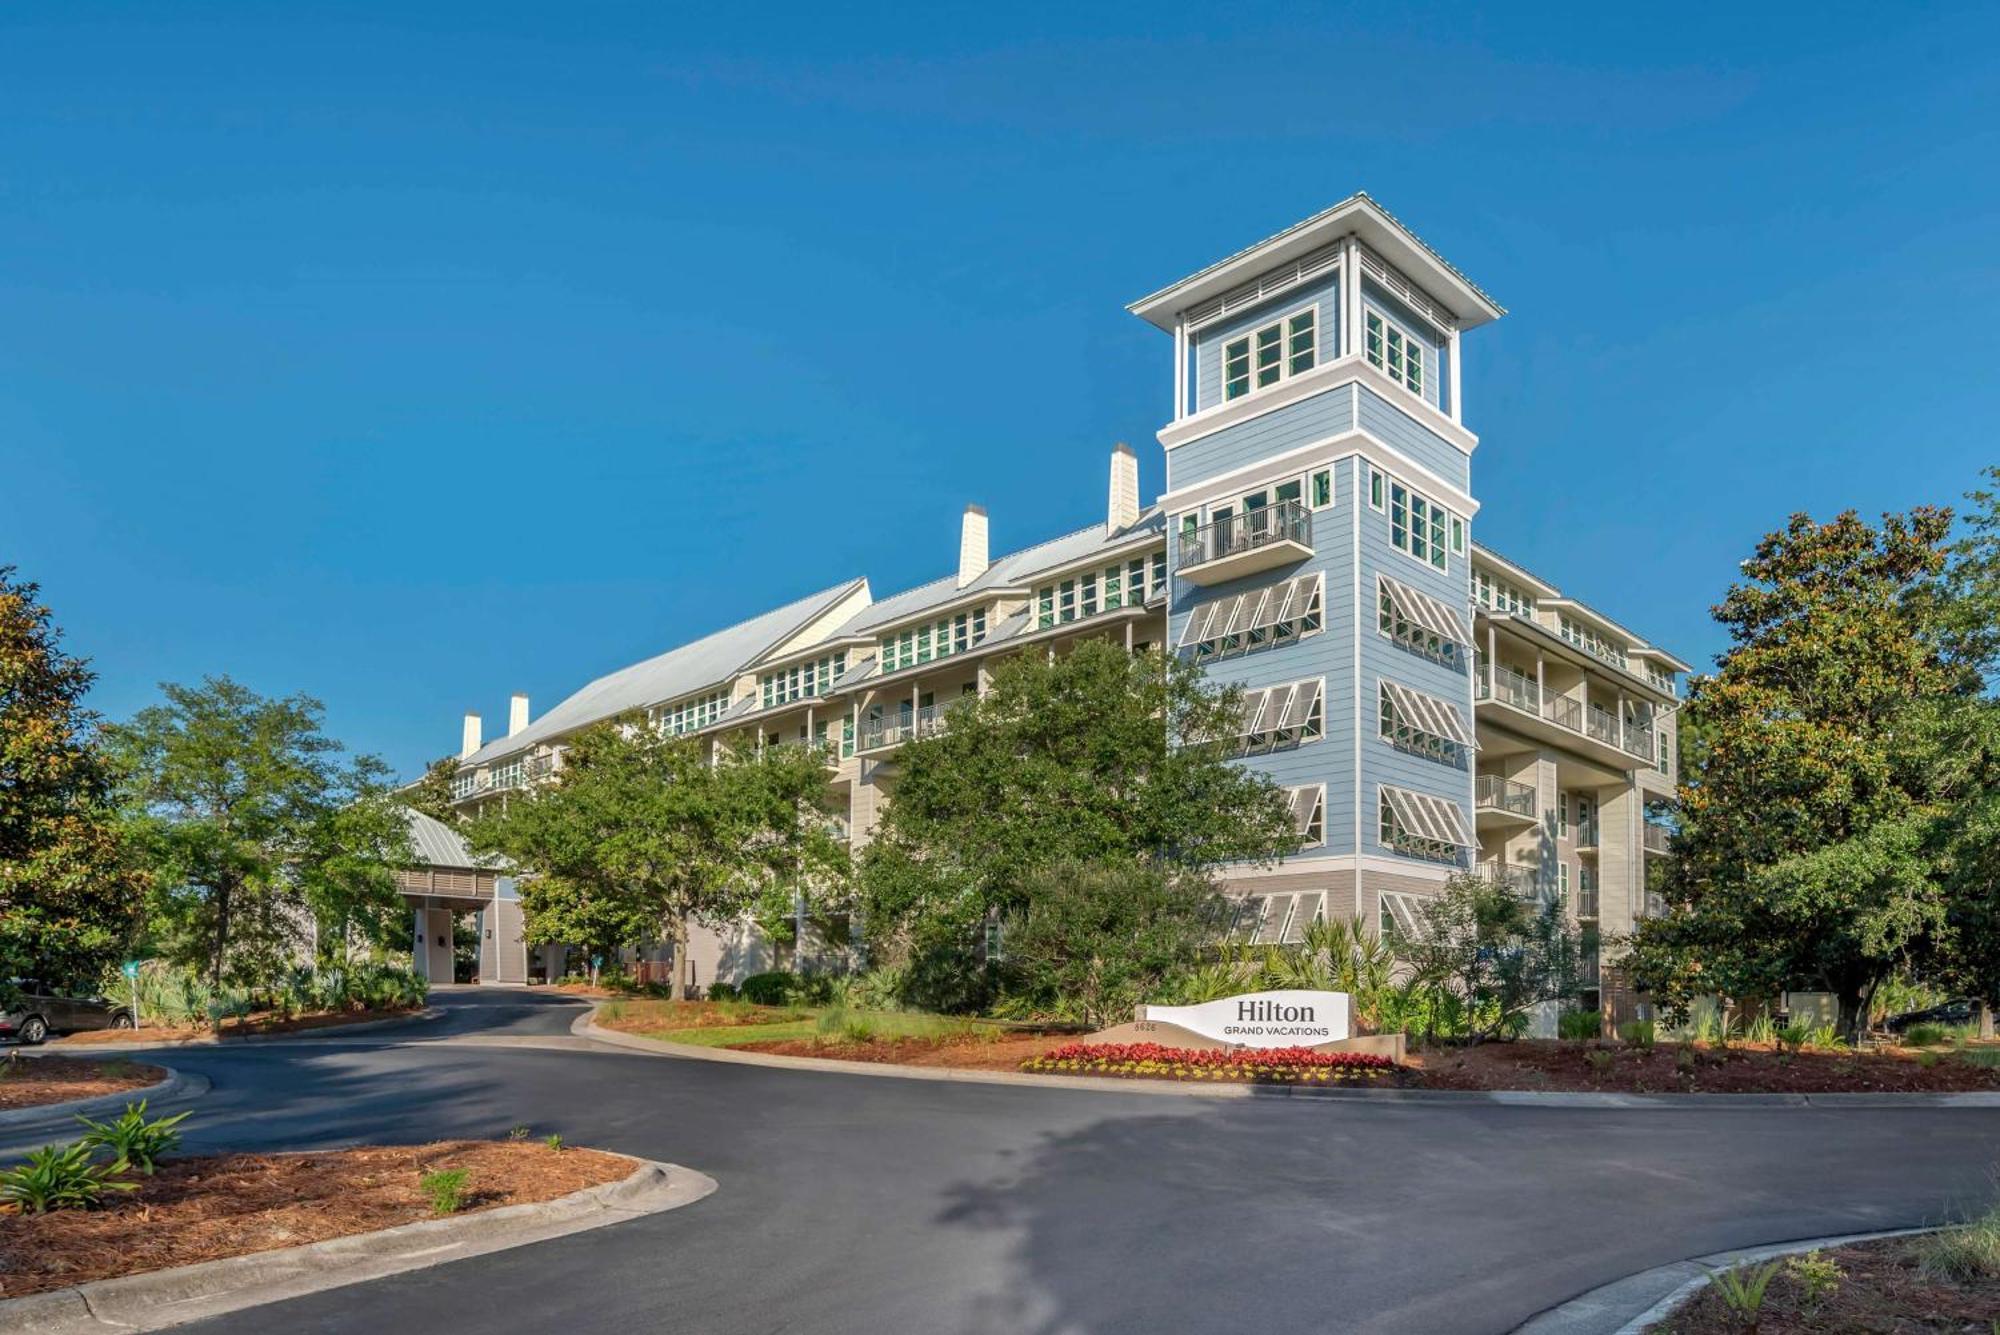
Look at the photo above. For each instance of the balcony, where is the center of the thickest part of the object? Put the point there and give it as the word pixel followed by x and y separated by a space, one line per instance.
pixel 1525 882
pixel 1499 802
pixel 1563 719
pixel 1586 904
pixel 882 734
pixel 1239 545
pixel 1656 838
pixel 1586 837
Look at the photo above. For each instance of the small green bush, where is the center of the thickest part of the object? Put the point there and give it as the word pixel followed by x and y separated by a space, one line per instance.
pixel 554 1141
pixel 1579 1026
pixel 1793 1037
pixel 59 1177
pixel 1742 1287
pixel 1924 1035
pixel 1639 1034
pixel 1600 1060
pixel 518 1133
pixel 775 988
pixel 1822 1036
pixel 1968 1252
pixel 1816 1277
pixel 723 992
pixel 133 1141
pixel 446 1189
pixel 1763 1029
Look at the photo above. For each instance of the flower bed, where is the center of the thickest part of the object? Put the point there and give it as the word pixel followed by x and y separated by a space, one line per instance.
pixel 1153 1061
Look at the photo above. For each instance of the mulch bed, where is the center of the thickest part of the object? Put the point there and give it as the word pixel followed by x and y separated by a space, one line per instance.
pixel 232 1205
pixel 1740 1069
pixel 232 1028
pixel 29 1082
pixel 1883 1294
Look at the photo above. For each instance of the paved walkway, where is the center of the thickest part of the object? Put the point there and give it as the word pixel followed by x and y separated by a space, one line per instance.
pixel 850 1204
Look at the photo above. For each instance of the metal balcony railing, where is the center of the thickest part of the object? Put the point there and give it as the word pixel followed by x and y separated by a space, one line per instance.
pixel 1657 838
pixel 1523 881
pixel 1495 793
pixel 901 727
pixel 1601 724
pixel 1287 521
pixel 1564 712
pixel 1586 834
pixel 1586 904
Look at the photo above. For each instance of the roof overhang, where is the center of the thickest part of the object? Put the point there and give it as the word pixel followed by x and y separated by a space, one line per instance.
pixel 1357 214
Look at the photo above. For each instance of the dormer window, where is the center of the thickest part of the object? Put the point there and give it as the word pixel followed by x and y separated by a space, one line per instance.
pixel 1265 356
pixel 1396 352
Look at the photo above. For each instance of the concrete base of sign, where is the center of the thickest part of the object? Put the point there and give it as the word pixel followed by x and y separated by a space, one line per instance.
pixel 1391 1046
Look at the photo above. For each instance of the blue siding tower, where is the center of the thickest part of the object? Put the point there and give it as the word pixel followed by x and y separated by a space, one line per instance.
pixel 1319 505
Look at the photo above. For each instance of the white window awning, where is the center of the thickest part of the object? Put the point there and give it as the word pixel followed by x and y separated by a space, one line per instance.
pixel 1427 713
pixel 1280 709
pixel 1429 817
pixel 1402 911
pixel 1306 804
pixel 1420 609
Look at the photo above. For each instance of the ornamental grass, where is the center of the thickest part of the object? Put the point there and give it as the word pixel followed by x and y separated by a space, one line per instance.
pixel 1265 1065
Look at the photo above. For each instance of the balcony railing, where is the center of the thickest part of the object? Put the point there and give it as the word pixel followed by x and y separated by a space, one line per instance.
pixel 1586 835
pixel 905 726
pixel 1564 712
pixel 1241 534
pixel 1511 686
pixel 1657 838
pixel 1602 724
pixel 1586 904
pixel 1523 881
pixel 1591 975
pixel 1494 793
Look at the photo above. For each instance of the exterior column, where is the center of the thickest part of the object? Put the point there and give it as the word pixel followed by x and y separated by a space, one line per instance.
pixel 1180 369
pixel 1350 278
pixel 419 955
pixel 1456 415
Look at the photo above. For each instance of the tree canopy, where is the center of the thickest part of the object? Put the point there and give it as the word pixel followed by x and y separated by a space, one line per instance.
pixel 639 835
pixel 70 900
pixel 258 826
pixel 1815 812
pixel 1098 758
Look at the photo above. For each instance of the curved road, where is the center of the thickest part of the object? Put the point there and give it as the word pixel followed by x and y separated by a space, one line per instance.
pixel 866 1205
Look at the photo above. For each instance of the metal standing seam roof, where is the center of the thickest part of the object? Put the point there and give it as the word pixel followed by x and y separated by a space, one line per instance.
pixel 709 661
pixel 436 844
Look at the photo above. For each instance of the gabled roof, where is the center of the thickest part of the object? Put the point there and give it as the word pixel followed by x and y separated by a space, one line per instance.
pixel 1010 571
pixel 436 844
pixel 710 661
pixel 1359 214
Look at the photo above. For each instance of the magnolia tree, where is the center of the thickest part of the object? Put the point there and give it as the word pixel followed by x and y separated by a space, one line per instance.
pixel 640 835
pixel 1099 759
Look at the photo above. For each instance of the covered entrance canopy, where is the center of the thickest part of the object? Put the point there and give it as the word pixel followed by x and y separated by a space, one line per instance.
pixel 446 878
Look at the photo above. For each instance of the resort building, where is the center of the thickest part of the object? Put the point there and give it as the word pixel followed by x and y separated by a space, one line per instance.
pixel 1430 706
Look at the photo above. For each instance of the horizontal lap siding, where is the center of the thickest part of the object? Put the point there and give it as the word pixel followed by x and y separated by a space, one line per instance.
pixel 1289 428
pixel 1395 428
pixel 1434 346
pixel 1208 343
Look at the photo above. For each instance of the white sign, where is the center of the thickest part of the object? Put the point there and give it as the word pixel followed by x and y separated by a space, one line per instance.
pixel 1264 1019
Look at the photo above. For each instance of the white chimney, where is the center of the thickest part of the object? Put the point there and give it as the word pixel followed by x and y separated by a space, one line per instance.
pixel 471 740
pixel 972 545
pixel 1123 510
pixel 517 713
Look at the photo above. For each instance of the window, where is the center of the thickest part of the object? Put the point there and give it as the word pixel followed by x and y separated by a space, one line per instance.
pixel 937 639
pixel 1396 353
pixel 847 736
pixel 1588 640
pixel 1562 815
pixel 1491 591
pixel 1663 751
pixel 1457 535
pixel 689 715
pixel 1419 622
pixel 1309 814
pixel 1374 489
pixel 1265 356
pixel 1322 489
pixel 1562 880
pixel 802 681
pixel 1097 591
pixel 1417 525
pixel 1421 825
pixel 1158 583
pixel 1280 717
pixel 1256 619
pixel 1422 724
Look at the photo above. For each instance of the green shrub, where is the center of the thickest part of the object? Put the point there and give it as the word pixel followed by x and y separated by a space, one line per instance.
pixel 1822 1036
pixel 133 1141
pixel 723 992
pixel 1579 1026
pixel 1684 1058
pixel 1742 1287
pixel 554 1141
pixel 1816 1277
pixel 611 1010
pixel 59 1177
pixel 775 988
pixel 1924 1035
pixel 1763 1029
pixel 1639 1034
pixel 518 1133
pixel 446 1189
pixel 1600 1061
pixel 1793 1037
pixel 1968 1252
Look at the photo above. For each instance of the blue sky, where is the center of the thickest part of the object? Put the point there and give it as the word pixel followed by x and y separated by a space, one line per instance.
pixel 415 354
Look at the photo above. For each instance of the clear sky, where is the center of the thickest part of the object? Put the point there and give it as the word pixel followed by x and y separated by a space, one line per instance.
pixel 409 355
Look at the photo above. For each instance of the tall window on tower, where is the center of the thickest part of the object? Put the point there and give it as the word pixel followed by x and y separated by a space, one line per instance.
pixel 1265 356
pixel 1396 353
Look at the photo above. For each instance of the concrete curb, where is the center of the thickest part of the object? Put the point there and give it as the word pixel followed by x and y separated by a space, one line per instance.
pixel 1629 1305
pixel 586 1027
pixel 428 1013
pixel 157 1092
pixel 161 1299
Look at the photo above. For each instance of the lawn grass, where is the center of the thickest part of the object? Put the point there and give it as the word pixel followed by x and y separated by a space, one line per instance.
pixel 733 1024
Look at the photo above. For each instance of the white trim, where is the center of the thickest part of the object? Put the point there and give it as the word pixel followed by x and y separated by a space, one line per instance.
pixel 1354 441
pixel 1359 508
pixel 1303 865
pixel 1390 324
pixel 1457 408
pixel 1327 375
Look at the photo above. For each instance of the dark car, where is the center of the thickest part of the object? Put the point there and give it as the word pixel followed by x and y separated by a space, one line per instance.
pixel 44 1009
pixel 1950 1013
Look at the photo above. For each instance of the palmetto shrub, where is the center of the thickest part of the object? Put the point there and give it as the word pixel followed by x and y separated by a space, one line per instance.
pixel 134 1142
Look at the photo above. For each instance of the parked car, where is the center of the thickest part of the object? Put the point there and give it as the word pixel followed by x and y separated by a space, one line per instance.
pixel 45 1009
pixel 1950 1013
